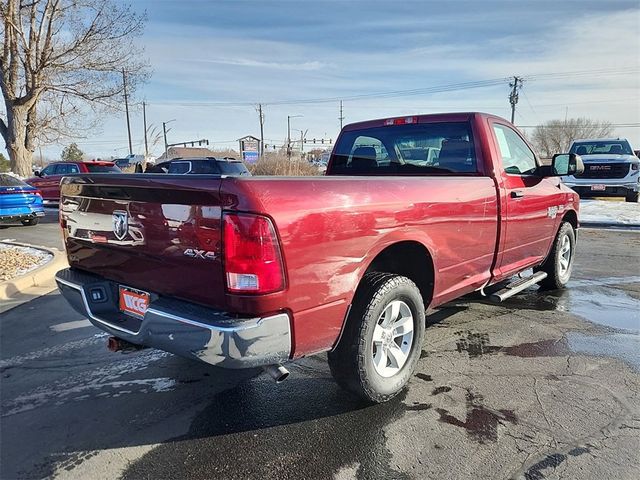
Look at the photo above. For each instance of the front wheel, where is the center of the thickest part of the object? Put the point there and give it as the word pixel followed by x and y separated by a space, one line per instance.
pixel 559 263
pixel 382 340
pixel 30 221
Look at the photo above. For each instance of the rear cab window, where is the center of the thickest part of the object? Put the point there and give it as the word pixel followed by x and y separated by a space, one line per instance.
pixel 102 168
pixel 9 181
pixel 232 168
pixel 179 167
pixel 409 149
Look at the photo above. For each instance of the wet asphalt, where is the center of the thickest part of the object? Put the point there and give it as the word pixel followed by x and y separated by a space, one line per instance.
pixel 545 385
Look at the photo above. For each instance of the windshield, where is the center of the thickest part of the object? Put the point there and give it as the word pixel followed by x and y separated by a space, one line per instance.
pixel 102 168
pixel 614 147
pixel 432 148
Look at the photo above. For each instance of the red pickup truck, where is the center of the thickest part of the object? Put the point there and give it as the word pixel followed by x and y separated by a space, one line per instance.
pixel 241 272
pixel 48 179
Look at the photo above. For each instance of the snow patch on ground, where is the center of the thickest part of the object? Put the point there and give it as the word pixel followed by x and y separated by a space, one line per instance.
pixel 614 213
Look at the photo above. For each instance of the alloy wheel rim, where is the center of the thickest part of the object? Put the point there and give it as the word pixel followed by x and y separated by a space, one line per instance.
pixel 564 259
pixel 392 339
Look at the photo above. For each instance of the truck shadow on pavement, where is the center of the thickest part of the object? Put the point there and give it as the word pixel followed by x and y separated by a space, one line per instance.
pixel 306 425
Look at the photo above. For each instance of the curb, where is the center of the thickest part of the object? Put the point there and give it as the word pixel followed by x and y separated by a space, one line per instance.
pixel 43 276
pixel 608 225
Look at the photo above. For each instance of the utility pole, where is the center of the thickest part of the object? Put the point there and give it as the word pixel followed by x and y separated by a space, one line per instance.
pixel 144 121
pixel 513 96
pixel 261 130
pixel 289 140
pixel 126 107
pixel 341 117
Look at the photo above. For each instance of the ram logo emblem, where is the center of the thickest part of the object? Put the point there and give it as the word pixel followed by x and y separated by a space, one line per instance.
pixel 120 220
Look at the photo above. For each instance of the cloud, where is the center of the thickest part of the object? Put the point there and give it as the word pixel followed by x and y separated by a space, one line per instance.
pixel 382 48
pixel 246 62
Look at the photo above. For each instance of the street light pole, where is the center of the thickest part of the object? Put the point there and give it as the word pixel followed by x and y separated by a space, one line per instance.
pixel 289 117
pixel 289 138
pixel 164 131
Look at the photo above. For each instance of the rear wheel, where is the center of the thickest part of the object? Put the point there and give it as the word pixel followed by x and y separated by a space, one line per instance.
pixel 559 263
pixel 382 340
pixel 30 221
pixel 632 197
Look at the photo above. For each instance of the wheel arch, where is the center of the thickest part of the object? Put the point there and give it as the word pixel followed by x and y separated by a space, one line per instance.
pixel 410 259
pixel 572 217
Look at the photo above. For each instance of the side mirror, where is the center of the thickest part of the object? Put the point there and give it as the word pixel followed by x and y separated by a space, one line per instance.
pixel 566 164
pixel 37 173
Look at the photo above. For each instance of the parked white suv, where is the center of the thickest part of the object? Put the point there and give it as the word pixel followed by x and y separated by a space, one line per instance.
pixel 611 169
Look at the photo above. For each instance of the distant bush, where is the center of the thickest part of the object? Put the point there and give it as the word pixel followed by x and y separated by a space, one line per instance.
pixel 226 153
pixel 4 164
pixel 279 165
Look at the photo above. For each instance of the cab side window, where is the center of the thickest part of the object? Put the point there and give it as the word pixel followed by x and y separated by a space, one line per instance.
pixel 517 157
pixel 66 168
pixel 48 170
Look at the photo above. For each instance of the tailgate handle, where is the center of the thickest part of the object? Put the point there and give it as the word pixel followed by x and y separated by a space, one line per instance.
pixel 517 194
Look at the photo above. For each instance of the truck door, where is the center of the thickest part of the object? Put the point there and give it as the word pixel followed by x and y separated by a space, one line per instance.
pixel 529 203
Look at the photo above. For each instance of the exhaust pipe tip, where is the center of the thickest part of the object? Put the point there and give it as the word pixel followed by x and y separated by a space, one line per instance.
pixel 277 372
pixel 115 344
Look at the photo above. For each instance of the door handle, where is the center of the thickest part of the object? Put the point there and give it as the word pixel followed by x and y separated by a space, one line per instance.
pixel 517 194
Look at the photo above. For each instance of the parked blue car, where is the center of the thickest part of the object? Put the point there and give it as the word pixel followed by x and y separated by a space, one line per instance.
pixel 19 202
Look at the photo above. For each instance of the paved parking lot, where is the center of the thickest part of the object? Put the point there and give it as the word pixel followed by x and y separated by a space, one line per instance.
pixel 546 385
pixel 46 233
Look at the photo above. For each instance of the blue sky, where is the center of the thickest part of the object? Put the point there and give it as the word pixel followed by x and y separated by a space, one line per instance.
pixel 208 53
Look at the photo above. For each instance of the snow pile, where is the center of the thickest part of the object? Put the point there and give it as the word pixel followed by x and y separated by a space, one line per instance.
pixel 609 212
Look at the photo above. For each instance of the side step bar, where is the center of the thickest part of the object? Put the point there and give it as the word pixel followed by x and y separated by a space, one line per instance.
pixel 517 286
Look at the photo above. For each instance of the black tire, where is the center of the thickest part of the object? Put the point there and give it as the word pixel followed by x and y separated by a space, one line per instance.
pixel 30 221
pixel 352 361
pixel 632 197
pixel 557 275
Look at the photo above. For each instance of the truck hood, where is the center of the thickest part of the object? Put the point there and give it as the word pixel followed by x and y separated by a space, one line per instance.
pixel 607 157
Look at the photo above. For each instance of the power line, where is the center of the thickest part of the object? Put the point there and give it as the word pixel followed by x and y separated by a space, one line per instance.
pixel 413 92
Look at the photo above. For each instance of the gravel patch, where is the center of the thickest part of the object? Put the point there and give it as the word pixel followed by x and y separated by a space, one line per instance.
pixel 16 261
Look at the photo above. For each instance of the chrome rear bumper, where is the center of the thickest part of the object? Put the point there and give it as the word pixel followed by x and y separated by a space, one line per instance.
pixel 179 327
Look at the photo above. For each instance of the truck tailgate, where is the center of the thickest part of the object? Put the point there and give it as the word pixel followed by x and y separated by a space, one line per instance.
pixel 157 233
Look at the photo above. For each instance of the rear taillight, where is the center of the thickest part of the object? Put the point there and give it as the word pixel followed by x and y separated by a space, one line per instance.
pixel 252 259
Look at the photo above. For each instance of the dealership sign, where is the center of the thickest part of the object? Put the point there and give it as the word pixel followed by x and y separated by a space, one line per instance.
pixel 249 149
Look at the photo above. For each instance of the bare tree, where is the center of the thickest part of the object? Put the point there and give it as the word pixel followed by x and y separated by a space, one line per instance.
pixel 61 62
pixel 556 136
